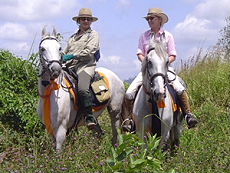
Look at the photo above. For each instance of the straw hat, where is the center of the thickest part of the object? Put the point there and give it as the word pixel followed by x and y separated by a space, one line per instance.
pixel 85 12
pixel 157 12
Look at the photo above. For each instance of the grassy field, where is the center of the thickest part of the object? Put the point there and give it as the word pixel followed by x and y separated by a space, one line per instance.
pixel 203 149
pixel 206 148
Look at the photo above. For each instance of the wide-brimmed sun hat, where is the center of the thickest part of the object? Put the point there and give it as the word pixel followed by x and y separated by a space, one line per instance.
pixel 157 12
pixel 85 12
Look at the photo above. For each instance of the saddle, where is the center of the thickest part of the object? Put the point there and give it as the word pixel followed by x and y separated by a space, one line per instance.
pixel 99 89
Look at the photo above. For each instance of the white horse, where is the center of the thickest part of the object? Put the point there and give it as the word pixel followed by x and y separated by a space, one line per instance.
pixel 154 93
pixel 55 108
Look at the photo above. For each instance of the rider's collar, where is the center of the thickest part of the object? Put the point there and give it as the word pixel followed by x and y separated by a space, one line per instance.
pixel 158 34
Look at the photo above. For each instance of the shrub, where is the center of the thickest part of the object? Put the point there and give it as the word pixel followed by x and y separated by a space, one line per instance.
pixel 18 94
pixel 135 155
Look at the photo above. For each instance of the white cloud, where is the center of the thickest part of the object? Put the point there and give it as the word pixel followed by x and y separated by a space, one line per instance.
pixel 35 9
pixel 114 59
pixel 109 60
pixel 200 28
pixel 124 2
pixel 13 31
pixel 215 10
pixel 17 47
pixel 194 29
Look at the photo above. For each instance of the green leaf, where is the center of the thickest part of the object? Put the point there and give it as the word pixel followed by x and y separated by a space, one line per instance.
pixel 121 156
pixel 138 161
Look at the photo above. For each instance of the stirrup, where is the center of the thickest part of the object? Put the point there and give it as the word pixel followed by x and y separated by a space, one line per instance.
pixel 128 128
pixel 91 124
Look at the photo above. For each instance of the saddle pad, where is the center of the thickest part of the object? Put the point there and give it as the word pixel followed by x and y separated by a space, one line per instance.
pixel 101 89
pixel 174 98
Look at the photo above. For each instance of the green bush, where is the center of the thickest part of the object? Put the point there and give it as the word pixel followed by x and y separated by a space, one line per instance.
pixel 18 94
pixel 134 155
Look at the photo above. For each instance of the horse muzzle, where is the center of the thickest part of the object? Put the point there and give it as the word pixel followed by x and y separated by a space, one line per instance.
pixel 55 70
pixel 159 95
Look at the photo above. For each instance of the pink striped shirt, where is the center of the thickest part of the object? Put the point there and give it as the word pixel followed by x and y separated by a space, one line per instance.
pixel 144 39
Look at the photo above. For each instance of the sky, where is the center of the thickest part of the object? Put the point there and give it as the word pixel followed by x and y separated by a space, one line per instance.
pixel 194 24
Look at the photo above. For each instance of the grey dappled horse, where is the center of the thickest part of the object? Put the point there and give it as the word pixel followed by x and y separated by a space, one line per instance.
pixel 154 71
pixel 55 108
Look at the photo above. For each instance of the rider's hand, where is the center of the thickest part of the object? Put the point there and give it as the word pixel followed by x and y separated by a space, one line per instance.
pixel 68 57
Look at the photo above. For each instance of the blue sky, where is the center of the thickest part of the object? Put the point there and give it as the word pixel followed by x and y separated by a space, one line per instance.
pixel 194 23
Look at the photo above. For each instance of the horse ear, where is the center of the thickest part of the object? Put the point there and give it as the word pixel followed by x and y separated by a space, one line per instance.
pixel 54 32
pixel 44 32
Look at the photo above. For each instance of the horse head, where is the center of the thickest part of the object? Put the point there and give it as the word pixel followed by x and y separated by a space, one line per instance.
pixel 50 54
pixel 154 69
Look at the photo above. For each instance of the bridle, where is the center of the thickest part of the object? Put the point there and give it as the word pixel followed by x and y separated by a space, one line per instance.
pixel 45 63
pixel 152 77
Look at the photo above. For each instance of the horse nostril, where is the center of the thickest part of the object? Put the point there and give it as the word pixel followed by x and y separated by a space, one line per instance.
pixel 55 71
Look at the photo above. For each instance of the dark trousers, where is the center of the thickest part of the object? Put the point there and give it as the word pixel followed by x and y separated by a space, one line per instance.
pixel 83 89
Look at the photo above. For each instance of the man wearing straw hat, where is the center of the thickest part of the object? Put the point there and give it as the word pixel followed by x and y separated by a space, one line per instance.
pixel 80 56
pixel 156 18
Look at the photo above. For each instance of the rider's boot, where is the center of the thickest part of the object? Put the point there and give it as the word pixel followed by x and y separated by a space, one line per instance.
pixel 190 118
pixel 86 107
pixel 129 106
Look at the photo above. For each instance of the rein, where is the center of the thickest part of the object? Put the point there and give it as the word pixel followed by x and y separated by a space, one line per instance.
pixel 153 48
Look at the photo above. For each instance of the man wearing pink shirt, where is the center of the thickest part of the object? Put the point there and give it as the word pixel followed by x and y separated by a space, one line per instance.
pixel 156 18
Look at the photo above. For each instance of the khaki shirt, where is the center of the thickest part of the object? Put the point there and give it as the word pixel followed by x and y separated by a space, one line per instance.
pixel 83 46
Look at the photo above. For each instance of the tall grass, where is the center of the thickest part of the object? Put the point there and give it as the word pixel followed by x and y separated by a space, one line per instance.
pixel 203 149
pixel 206 148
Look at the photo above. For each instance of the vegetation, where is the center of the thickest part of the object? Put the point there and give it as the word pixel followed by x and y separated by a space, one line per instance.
pixel 26 147
pixel 18 93
pixel 206 148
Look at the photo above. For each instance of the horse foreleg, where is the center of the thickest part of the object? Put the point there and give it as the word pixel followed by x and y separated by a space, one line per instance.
pixel 177 129
pixel 60 137
pixel 115 123
pixel 166 126
pixel 139 122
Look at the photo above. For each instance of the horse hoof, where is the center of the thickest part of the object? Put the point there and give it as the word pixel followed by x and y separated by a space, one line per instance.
pixel 58 151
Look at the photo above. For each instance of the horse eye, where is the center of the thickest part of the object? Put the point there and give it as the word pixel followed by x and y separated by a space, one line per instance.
pixel 60 49
pixel 42 49
pixel 149 63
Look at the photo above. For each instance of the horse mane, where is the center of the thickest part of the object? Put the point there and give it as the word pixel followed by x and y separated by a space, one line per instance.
pixel 160 49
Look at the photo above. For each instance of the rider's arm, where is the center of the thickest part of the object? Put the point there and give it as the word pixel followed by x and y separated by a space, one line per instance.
pixel 171 48
pixel 141 48
pixel 92 45
pixel 172 58
pixel 140 57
